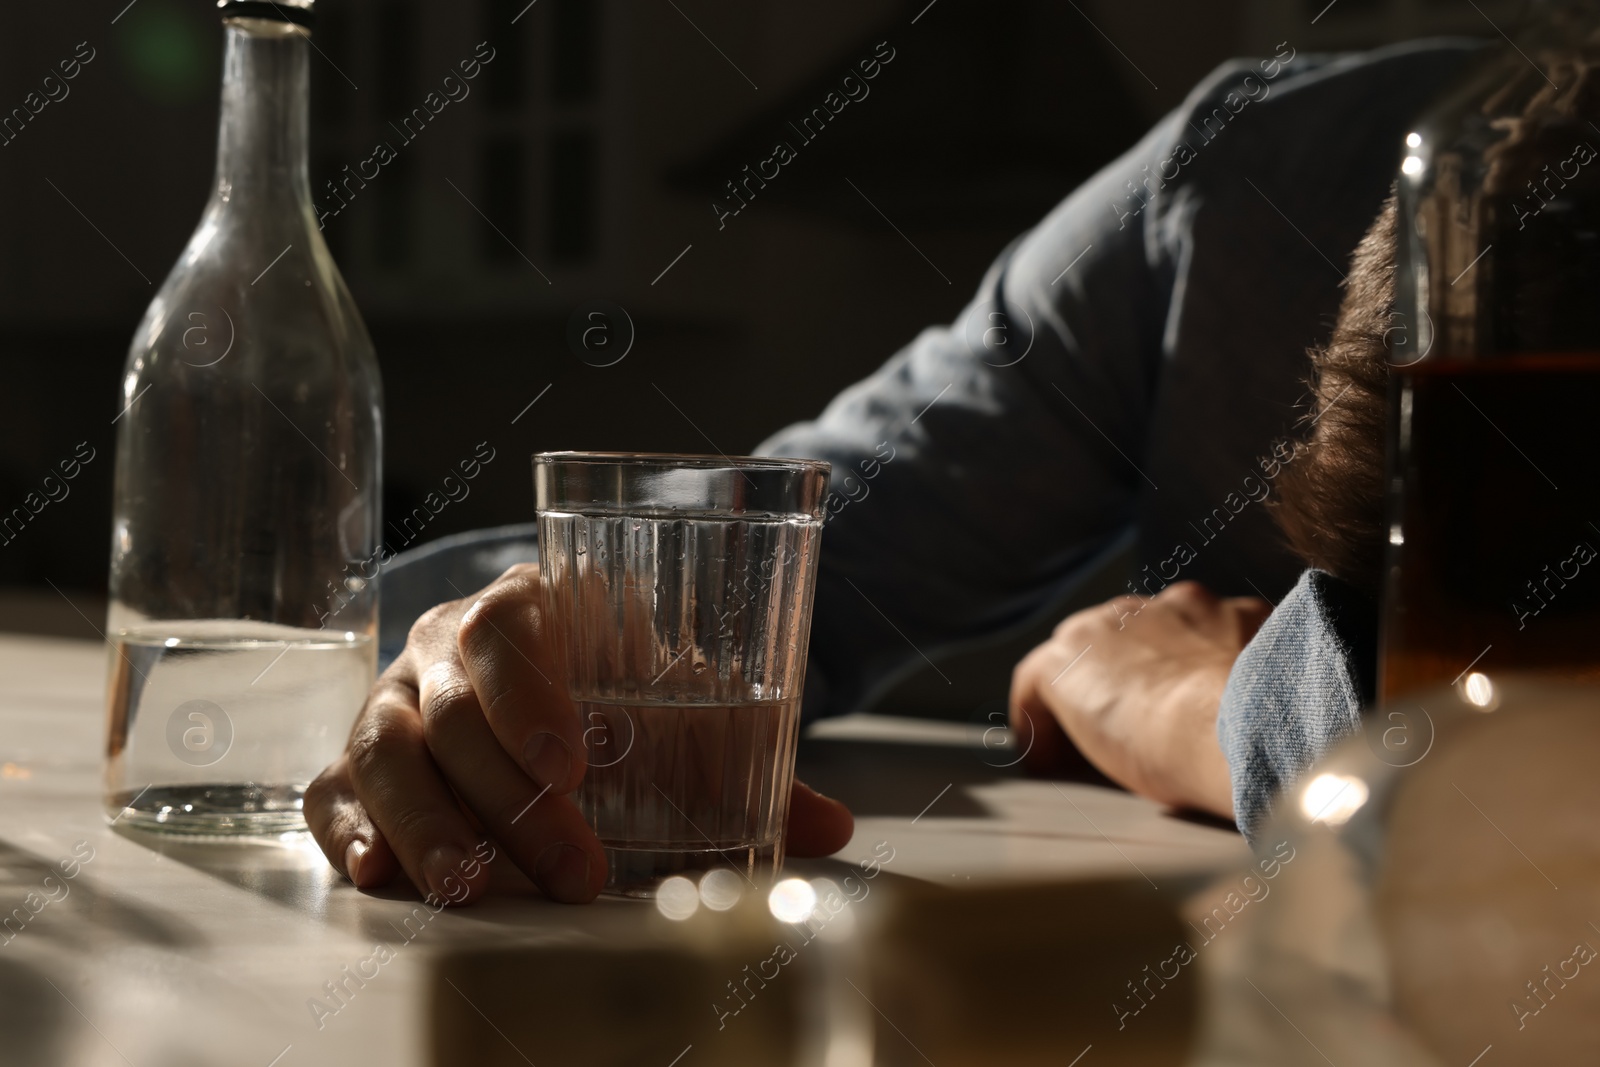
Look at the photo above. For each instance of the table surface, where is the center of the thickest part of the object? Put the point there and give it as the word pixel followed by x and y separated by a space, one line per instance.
pixel 175 953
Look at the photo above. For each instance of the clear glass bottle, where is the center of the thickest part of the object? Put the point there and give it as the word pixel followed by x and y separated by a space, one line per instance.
pixel 245 525
pixel 1494 498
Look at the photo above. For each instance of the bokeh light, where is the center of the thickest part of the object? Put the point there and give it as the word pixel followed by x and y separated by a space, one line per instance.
pixel 833 908
pixel 677 898
pixel 721 889
pixel 792 900
pixel 1333 798
pixel 1479 691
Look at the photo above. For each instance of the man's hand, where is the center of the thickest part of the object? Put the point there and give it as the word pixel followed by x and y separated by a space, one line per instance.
pixel 470 736
pixel 1135 685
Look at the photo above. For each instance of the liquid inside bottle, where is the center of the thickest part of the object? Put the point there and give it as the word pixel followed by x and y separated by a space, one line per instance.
pixel 1494 501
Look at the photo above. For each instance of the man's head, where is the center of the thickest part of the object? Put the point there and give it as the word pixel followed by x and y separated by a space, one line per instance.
pixel 1330 503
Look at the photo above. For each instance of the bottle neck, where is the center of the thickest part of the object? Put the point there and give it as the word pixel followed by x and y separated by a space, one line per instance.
pixel 262 138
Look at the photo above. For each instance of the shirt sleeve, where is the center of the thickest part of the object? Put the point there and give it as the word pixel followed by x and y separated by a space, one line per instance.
pixel 1296 692
pixel 984 468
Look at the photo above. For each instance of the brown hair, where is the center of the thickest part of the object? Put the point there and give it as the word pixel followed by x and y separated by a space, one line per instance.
pixel 1331 498
pixel 1330 503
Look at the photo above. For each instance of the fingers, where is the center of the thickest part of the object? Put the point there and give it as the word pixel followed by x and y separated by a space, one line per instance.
pixel 511 662
pixel 543 832
pixel 818 825
pixel 396 780
pixel 1035 730
pixel 345 832
pixel 1191 601
pixel 1195 605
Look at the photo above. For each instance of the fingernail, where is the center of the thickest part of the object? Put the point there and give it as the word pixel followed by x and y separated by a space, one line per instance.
pixel 352 860
pixel 563 872
pixel 442 869
pixel 548 759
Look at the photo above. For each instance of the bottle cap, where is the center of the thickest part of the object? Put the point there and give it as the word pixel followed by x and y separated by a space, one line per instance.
pixel 295 11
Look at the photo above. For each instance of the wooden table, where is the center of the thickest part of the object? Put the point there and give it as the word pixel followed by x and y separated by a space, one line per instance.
pixel 170 953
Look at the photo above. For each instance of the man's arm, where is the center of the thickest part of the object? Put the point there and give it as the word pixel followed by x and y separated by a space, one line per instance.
pixel 982 471
pixel 1135 685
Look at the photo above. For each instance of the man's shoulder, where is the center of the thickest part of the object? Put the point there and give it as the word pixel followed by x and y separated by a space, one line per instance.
pixel 1295 107
pixel 1320 130
pixel 1294 81
pixel 1319 134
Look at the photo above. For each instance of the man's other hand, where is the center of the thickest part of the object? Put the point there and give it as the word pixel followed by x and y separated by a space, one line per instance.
pixel 468 749
pixel 1135 685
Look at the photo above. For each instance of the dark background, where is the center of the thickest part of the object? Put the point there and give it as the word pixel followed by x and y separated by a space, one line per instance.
pixel 594 144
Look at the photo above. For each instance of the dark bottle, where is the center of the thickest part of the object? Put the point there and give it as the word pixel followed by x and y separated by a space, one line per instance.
pixel 1494 479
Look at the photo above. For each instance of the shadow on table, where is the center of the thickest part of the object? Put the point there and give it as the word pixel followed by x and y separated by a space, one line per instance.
pixel 894 778
pixel 37 891
pixel 33 1017
pixel 1201 818
pixel 289 869
pixel 56 917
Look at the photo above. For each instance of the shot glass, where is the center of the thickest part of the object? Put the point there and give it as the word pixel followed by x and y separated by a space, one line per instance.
pixel 679 590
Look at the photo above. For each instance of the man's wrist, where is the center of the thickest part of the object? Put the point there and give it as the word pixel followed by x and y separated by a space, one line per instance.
pixel 1193 772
